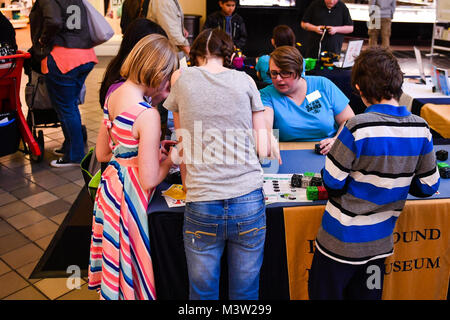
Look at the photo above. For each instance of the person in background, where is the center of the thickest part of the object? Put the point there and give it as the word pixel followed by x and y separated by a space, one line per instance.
pixel 224 197
pixel 169 15
pixel 302 108
pixel 378 158
pixel 8 34
pixel 138 29
pixel 282 35
pixel 228 21
pixel 129 138
pixel 332 14
pixel 66 56
pixel 381 13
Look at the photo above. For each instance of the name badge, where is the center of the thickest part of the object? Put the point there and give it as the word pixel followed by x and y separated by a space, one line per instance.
pixel 313 96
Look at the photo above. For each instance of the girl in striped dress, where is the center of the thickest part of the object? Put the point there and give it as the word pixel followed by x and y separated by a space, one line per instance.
pixel 120 262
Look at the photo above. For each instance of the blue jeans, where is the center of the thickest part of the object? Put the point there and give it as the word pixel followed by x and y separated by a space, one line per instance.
pixel 64 91
pixel 209 225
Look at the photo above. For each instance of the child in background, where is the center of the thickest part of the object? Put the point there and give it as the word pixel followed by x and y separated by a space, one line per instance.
pixel 120 261
pixel 378 158
pixel 282 35
pixel 224 197
pixel 228 21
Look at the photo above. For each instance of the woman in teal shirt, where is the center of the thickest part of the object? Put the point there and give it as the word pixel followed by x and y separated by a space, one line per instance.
pixel 308 108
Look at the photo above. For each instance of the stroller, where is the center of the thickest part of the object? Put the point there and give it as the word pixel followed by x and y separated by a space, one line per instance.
pixel 40 110
pixel 13 126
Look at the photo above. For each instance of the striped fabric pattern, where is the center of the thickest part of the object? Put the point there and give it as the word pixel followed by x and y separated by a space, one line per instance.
pixel 120 259
pixel 378 158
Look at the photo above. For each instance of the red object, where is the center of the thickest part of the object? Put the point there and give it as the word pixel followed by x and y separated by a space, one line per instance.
pixel 10 77
pixel 322 193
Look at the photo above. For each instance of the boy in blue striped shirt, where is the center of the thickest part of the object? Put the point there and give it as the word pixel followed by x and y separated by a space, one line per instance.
pixel 379 157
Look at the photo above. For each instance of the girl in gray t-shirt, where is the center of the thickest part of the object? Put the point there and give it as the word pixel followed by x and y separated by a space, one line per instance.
pixel 218 114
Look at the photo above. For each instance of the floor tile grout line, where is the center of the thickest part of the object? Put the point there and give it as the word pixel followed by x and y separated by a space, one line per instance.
pixel 25 236
pixel 27 280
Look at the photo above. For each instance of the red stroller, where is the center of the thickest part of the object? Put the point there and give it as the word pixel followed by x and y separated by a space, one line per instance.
pixel 13 125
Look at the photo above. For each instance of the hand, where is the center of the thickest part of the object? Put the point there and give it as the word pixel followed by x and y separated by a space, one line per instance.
pixel 275 150
pixel 185 33
pixel 166 144
pixel 332 30
pixel 319 29
pixel 176 154
pixel 326 144
pixel 186 50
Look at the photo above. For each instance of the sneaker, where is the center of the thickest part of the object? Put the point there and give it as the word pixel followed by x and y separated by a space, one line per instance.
pixel 61 163
pixel 58 152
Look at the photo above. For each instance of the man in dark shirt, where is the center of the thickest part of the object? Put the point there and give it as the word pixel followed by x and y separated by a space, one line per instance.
pixel 332 15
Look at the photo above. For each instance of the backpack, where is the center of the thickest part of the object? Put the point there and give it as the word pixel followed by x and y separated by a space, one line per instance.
pixel 131 10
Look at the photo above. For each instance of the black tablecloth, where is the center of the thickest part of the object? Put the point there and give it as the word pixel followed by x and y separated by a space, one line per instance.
pixel 169 261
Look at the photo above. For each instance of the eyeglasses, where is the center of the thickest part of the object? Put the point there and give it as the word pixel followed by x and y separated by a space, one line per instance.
pixel 283 74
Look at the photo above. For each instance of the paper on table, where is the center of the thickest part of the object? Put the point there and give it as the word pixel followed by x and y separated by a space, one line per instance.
pixel 284 192
pixel 175 192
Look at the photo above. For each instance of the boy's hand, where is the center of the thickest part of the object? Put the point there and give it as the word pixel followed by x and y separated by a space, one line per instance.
pixel 326 144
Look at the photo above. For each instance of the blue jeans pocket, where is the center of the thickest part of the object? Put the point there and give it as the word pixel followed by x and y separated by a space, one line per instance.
pixel 199 235
pixel 252 232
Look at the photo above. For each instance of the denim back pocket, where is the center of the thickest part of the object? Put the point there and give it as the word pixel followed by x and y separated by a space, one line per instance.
pixel 252 232
pixel 199 235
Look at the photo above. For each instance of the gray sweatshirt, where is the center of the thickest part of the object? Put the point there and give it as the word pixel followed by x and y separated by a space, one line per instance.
pixel 387 7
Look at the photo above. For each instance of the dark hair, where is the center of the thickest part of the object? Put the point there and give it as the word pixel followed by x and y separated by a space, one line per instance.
pixel 223 1
pixel 377 73
pixel 214 42
pixel 288 58
pixel 283 36
pixel 136 30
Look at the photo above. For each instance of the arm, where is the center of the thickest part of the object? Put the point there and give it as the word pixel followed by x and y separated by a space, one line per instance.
pixel 261 134
pixel 169 18
pixel 176 122
pixel 426 180
pixel 52 24
pixel 312 28
pixel 340 119
pixel 242 39
pixel 151 171
pixel 338 163
pixel 102 149
pixel 340 29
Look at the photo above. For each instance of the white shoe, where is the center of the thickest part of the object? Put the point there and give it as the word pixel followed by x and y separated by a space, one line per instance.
pixel 61 163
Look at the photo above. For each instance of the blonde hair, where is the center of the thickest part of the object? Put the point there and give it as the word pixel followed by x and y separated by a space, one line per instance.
pixel 151 61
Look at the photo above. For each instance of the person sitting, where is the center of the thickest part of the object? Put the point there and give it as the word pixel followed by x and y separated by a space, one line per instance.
pixel 228 21
pixel 282 35
pixel 308 108
pixel 332 15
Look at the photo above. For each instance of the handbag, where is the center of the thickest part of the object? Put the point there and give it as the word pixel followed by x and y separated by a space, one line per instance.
pixel 99 29
pixel 36 94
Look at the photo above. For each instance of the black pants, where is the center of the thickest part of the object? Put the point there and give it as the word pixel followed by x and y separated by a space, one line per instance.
pixel 333 280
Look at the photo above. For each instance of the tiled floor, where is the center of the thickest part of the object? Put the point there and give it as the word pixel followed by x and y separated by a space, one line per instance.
pixel 35 198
